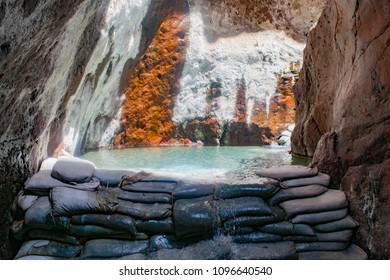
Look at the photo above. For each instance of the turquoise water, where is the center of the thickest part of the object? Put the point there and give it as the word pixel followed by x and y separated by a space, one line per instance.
pixel 185 159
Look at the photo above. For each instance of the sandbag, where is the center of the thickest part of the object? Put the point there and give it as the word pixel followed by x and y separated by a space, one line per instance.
pixel 287 172
pixel 92 232
pixel 321 179
pixel 242 206
pixel 151 187
pixel 140 197
pixel 73 170
pixel 114 221
pixel 297 193
pixel 68 202
pixel 111 178
pixel 249 187
pixel 54 235
pixel 112 248
pixel 156 211
pixel 39 215
pixel 38 258
pixel 158 242
pixel 286 228
pixel 265 251
pixel 48 164
pixel 328 201
pixel 134 257
pixel 41 183
pixel 257 237
pixel 247 221
pixel 21 203
pixel 48 248
pixel 321 246
pixel 338 236
pixel 195 217
pixel 156 226
pixel 192 189
pixel 346 223
pixel 241 230
pixel 319 218
pixel 353 252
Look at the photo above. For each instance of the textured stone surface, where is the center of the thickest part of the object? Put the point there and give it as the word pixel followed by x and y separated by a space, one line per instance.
pixel 343 107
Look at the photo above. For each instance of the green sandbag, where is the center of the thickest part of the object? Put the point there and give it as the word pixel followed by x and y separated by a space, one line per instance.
pixel 321 246
pixel 265 251
pixel 286 228
pixel 248 221
pixel 151 187
pixel 321 179
pixel 195 217
pixel 242 206
pixel 143 211
pixel 114 221
pixel 39 215
pixel 140 197
pixel 156 226
pixel 353 252
pixel 233 188
pixel 346 223
pixel 112 248
pixel 328 201
pixel 288 172
pixel 48 248
pixel 192 189
pixel 257 237
pixel 69 202
pixel 297 193
pixel 320 218
pixel 111 178
pixel 54 235
pixel 41 183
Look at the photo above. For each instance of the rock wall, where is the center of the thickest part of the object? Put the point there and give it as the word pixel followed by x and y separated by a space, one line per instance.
pixel 343 107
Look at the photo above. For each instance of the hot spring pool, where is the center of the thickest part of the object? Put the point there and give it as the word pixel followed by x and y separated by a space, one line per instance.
pixel 192 159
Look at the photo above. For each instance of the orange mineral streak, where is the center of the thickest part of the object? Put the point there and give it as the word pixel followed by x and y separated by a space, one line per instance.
pixel 147 112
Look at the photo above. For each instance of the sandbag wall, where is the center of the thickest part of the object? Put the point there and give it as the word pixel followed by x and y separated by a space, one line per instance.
pixel 76 211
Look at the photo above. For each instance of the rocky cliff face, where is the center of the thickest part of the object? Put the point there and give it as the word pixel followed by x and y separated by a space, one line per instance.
pixel 343 107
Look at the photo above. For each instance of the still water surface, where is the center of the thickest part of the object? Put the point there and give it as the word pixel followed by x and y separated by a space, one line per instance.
pixel 190 159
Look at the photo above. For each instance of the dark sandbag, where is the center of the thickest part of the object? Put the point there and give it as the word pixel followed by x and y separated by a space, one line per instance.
pixel 25 201
pixel 42 182
pixel 215 249
pixel 241 230
pixel 353 252
pixel 319 218
pixel 111 178
pixel 287 172
pixel 286 228
pixel 112 248
pixel 49 248
pixel 143 211
pixel 248 221
pixel 114 221
pixel 54 235
pixel 141 197
pixel 321 246
pixel 151 187
pixel 297 193
pixel 265 251
pixel 328 201
pixel 68 202
pixel 39 215
pixel 73 170
pixel 92 231
pixel 346 223
pixel 39 258
pixel 134 257
pixel 192 189
pixel 242 206
pixel 156 226
pixel 260 187
pixel 195 217
pixel 257 237
pixel 321 179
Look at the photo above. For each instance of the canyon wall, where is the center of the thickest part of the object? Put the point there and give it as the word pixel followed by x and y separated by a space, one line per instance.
pixel 343 111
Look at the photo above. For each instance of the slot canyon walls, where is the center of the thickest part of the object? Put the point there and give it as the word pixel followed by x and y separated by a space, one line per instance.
pixel 343 107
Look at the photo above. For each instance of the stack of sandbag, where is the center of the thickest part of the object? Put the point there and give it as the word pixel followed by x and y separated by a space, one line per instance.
pixel 72 210
pixel 317 218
